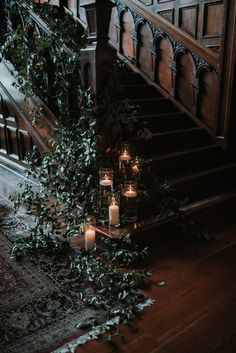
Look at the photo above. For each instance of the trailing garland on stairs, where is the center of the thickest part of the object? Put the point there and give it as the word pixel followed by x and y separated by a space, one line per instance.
pixel 66 183
pixel 66 174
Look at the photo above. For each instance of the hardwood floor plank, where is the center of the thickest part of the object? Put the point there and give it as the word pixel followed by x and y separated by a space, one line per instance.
pixel 194 311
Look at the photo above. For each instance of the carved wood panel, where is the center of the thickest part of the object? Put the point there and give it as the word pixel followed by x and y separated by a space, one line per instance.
pixel 185 71
pixel 188 19
pixel 200 19
pixel 15 142
pixel 114 29
pixel 208 82
pixel 211 24
pixel 144 43
pixel 126 34
pixel 163 73
pixel 182 73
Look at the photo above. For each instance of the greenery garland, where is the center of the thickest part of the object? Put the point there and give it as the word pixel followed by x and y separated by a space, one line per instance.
pixel 76 152
pixel 46 66
pixel 66 176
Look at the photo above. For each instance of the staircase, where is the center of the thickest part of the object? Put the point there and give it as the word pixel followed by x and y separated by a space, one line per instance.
pixel 185 154
pixel 180 151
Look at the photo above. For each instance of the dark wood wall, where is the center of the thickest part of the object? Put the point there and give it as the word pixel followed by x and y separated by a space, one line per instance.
pixel 178 45
pixel 186 46
pixel 15 140
pixel 201 19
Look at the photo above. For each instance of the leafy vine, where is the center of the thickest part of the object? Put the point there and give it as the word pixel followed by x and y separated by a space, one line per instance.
pixel 67 189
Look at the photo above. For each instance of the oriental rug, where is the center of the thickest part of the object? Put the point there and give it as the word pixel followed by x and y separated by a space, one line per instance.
pixel 40 306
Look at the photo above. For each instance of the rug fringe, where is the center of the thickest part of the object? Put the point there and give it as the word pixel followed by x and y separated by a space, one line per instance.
pixel 97 331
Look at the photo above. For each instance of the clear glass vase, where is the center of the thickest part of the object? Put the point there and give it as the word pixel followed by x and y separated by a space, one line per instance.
pixel 130 201
pixel 106 187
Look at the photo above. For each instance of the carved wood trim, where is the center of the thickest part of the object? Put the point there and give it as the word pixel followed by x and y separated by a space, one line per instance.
pixel 226 128
pixel 19 115
pixel 183 38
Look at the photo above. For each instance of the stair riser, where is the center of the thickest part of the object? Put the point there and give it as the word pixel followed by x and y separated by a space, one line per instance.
pixel 172 143
pixel 165 123
pixel 141 91
pixel 215 218
pixel 157 106
pixel 210 218
pixel 131 78
pixel 190 163
pixel 200 187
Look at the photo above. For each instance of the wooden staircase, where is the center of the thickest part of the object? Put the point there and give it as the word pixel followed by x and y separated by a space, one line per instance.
pixel 184 153
pixel 180 151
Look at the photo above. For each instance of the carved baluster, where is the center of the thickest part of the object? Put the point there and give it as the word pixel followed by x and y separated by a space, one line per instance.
pixel 173 69
pixel 153 54
pixel 118 29
pixel 98 55
pixel 134 37
pixel 195 87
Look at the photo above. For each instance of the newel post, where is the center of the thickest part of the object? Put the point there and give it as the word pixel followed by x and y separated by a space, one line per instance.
pixel 98 57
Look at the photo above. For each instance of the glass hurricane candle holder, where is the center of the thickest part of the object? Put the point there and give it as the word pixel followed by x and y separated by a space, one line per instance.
pixel 130 201
pixel 125 160
pixel 90 233
pixel 114 209
pixel 106 187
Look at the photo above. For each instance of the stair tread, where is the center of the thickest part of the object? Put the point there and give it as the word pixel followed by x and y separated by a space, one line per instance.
pixel 164 122
pixel 156 221
pixel 207 183
pixel 181 163
pixel 173 132
pixel 164 115
pixel 180 153
pixel 171 141
pixel 205 172
pixel 210 201
pixel 134 91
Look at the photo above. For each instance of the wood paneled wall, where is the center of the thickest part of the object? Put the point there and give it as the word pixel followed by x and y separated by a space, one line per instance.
pixel 15 140
pixel 201 19
pixel 186 46
pixel 185 63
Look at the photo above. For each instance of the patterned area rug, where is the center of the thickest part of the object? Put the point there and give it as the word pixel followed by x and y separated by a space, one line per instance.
pixel 40 306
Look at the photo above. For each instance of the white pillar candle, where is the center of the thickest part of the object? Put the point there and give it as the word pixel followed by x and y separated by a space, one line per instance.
pixel 89 238
pixel 114 216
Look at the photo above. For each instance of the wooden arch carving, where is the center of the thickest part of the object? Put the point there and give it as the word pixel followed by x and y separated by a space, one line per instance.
pixel 114 29
pixel 186 71
pixel 206 102
pixel 126 34
pixel 144 45
pixel 164 58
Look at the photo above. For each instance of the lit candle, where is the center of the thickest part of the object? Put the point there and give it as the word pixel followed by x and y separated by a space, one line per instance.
pixel 125 156
pixel 90 238
pixel 130 192
pixel 106 181
pixel 114 217
pixel 130 201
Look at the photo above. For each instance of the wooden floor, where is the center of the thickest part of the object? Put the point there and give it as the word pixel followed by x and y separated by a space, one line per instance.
pixel 195 312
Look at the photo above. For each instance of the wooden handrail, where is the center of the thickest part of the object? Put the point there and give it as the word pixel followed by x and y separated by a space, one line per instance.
pixel 180 36
pixel 14 99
